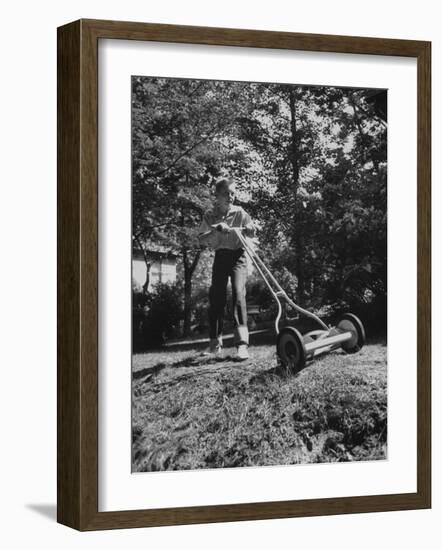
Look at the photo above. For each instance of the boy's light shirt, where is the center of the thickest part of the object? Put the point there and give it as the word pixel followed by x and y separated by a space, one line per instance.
pixel 235 217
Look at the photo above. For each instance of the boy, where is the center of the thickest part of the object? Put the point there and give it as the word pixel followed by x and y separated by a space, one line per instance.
pixel 230 261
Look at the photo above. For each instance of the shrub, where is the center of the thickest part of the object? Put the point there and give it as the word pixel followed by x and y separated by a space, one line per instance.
pixel 200 307
pixel 364 294
pixel 156 315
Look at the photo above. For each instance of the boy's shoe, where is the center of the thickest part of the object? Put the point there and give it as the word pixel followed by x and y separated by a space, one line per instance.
pixel 242 352
pixel 215 348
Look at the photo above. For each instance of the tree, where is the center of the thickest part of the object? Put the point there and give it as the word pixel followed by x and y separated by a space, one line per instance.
pixel 179 148
pixel 311 167
pixel 325 202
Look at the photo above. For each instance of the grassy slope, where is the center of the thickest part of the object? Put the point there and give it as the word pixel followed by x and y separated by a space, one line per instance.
pixel 193 412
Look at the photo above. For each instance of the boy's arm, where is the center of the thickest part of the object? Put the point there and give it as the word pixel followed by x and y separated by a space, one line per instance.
pixel 249 229
pixel 205 232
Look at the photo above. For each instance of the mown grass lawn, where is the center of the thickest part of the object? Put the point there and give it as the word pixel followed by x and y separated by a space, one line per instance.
pixel 192 412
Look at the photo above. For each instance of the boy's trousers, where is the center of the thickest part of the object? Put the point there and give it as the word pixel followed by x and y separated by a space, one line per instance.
pixel 233 264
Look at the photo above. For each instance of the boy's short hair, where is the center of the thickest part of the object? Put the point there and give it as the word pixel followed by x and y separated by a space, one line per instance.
pixel 223 183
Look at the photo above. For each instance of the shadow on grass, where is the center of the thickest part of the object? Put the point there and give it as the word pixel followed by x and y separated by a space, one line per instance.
pixel 152 371
pixel 187 362
pixel 254 340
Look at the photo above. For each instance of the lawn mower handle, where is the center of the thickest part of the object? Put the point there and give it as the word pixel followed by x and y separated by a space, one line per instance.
pixel 276 290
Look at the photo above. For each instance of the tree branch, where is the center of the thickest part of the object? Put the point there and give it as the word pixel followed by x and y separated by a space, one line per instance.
pixel 188 150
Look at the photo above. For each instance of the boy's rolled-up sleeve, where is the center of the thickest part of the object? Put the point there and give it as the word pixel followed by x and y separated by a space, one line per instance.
pixel 248 225
pixel 205 238
pixel 204 226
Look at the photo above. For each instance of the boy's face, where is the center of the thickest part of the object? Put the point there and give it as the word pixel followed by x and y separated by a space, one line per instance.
pixel 226 195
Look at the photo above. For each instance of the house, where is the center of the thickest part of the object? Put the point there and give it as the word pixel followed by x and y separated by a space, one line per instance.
pixel 162 267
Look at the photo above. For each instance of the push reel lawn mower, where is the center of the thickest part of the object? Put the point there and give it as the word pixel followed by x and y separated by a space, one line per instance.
pixel 293 348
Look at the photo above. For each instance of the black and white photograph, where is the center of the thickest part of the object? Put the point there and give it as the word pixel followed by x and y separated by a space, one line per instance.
pixel 218 283
pixel 259 274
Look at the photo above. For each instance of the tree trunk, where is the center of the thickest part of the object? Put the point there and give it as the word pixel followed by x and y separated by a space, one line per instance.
pixel 297 225
pixel 189 269
pixel 147 262
pixel 147 281
pixel 187 306
pixel 294 141
pixel 357 120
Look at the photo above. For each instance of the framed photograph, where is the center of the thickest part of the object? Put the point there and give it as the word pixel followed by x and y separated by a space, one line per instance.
pixel 243 274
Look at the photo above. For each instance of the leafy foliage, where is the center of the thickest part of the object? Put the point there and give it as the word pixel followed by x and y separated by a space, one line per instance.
pixel 156 316
pixel 311 166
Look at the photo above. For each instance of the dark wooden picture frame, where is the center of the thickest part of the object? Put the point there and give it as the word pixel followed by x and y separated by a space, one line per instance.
pixel 77 458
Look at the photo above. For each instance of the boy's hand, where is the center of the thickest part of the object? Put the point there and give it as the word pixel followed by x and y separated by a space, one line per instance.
pixel 249 230
pixel 223 227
